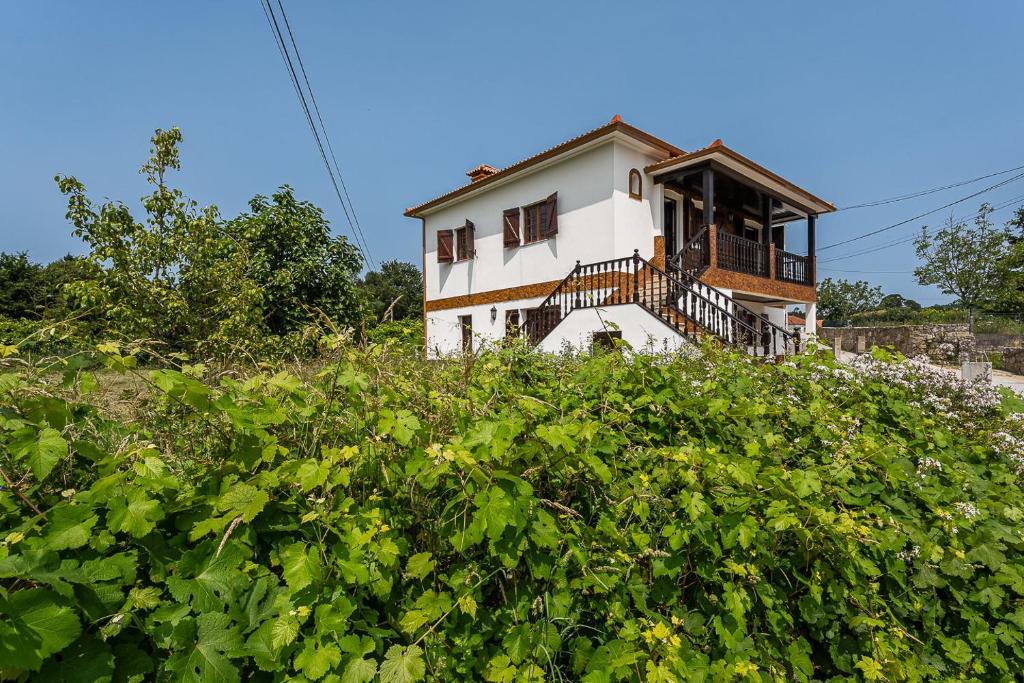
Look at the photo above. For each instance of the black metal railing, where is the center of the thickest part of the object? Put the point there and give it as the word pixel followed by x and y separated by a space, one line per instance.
pixel 792 267
pixel 742 255
pixel 681 301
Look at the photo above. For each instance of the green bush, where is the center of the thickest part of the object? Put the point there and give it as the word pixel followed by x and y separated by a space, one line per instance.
pixel 512 517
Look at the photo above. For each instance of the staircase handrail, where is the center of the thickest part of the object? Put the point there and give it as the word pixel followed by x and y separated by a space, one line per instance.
pixel 679 281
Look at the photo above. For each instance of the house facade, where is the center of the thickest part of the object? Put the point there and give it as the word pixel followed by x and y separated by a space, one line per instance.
pixel 618 234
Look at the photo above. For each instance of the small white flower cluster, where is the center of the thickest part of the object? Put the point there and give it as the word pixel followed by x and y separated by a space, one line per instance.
pixel 926 466
pixel 909 554
pixel 940 390
pixel 1009 445
pixel 967 510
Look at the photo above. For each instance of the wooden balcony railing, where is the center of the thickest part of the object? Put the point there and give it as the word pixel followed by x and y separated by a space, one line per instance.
pixel 742 255
pixel 791 267
pixel 712 248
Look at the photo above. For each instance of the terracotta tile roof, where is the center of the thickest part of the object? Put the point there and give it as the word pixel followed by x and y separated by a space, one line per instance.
pixel 615 125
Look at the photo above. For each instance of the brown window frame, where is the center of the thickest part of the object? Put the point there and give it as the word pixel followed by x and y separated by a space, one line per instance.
pixel 465 242
pixel 639 194
pixel 466 327
pixel 540 220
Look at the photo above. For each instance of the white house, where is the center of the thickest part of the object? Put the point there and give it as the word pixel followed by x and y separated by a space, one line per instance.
pixel 617 233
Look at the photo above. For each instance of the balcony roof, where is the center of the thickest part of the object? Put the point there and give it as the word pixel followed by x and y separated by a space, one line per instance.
pixel 745 168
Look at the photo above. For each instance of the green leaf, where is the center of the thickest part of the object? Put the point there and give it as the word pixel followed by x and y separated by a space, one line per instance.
pixel 403 665
pixel 312 473
pixel 207 660
pixel 35 624
pixel 243 500
pixel 500 670
pixel 315 659
pixel 41 449
pixel 401 426
pixel 359 670
pixel 284 631
pixel 419 565
pixel 301 566
pixel 135 514
pixel 69 527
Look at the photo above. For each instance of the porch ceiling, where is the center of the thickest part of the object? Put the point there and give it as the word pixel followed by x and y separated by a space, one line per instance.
pixel 730 163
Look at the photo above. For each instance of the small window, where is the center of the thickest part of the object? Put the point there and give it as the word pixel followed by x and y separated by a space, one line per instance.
pixel 512 328
pixel 465 247
pixel 540 220
pixel 605 340
pixel 466 323
pixel 636 184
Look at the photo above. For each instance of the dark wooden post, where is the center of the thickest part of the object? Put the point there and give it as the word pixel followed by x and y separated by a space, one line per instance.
pixel 766 219
pixel 811 261
pixel 709 196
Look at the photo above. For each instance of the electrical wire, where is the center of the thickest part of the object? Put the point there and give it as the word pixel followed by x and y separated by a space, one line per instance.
pixel 922 193
pixel 926 213
pixel 275 28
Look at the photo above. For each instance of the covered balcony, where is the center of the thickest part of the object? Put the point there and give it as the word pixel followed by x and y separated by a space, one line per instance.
pixel 726 221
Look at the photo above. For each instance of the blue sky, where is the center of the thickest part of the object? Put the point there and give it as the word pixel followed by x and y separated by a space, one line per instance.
pixel 855 103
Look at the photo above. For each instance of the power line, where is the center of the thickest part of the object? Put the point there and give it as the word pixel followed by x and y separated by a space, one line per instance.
pixel 926 213
pixel 330 148
pixel 275 29
pixel 904 240
pixel 922 193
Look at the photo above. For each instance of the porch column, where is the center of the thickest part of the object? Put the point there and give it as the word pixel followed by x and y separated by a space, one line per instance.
pixel 811 320
pixel 766 219
pixel 709 196
pixel 812 270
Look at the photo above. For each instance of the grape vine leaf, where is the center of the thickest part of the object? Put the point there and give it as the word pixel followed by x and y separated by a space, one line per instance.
pixel 403 665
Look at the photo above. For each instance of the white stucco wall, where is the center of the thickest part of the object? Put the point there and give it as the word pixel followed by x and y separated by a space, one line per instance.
pixel 585 228
pixel 639 328
pixel 444 332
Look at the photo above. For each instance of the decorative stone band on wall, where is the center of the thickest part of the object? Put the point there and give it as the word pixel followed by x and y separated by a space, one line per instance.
pixel 762 286
pixel 941 343
pixel 492 296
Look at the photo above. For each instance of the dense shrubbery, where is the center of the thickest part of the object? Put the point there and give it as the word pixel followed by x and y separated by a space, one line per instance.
pixel 510 517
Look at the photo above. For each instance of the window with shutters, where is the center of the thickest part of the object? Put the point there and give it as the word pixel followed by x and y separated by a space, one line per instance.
pixel 540 220
pixel 636 184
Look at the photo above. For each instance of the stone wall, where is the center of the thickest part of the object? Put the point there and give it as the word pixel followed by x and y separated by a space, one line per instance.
pixel 1012 359
pixel 940 343
pixel 997 342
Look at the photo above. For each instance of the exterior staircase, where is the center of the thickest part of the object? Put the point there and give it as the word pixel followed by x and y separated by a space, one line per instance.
pixel 678 298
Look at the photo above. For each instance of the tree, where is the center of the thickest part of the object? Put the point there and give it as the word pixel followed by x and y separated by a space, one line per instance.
pixel 898 301
pixel 839 299
pixel 177 277
pixel 301 270
pixel 20 286
pixel 395 292
pixel 962 262
pixel 1010 269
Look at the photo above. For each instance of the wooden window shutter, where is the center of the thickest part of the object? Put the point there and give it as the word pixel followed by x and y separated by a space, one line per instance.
pixel 510 219
pixel 470 240
pixel 550 227
pixel 444 246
